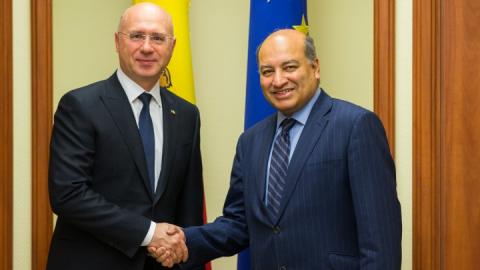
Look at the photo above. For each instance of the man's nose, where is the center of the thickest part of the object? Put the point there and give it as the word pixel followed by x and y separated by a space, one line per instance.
pixel 147 46
pixel 279 79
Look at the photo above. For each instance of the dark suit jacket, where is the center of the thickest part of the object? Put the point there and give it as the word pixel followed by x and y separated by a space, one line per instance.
pixel 339 209
pixel 98 179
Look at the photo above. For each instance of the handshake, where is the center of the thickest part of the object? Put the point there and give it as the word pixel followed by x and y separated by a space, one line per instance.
pixel 168 245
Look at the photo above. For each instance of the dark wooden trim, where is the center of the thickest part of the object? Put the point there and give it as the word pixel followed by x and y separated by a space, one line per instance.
pixel 426 136
pixel 42 98
pixel 384 66
pixel 6 135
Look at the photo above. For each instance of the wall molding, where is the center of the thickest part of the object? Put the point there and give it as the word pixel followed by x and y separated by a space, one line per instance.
pixel 6 135
pixel 384 67
pixel 426 135
pixel 42 107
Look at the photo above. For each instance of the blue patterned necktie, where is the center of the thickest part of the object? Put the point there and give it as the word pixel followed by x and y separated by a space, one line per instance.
pixel 145 127
pixel 279 166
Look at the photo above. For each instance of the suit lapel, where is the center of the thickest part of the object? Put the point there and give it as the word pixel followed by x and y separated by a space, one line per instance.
pixel 264 144
pixel 311 133
pixel 117 104
pixel 169 141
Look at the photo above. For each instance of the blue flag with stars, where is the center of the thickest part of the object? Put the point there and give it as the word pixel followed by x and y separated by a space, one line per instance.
pixel 266 16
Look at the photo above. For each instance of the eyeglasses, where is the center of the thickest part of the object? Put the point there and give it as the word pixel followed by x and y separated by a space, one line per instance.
pixel 156 38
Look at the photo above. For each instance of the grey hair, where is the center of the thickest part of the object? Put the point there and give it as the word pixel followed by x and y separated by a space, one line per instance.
pixel 310 50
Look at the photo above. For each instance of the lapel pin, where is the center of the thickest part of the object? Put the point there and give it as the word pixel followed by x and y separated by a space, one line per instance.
pixel 172 111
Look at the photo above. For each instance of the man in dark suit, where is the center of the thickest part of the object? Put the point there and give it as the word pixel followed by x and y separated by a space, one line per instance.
pixel 125 158
pixel 313 186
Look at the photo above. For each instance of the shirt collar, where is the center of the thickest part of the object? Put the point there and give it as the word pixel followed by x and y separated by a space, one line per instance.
pixel 301 115
pixel 133 90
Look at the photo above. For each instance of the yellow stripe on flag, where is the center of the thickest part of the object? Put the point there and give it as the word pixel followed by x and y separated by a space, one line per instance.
pixel 179 77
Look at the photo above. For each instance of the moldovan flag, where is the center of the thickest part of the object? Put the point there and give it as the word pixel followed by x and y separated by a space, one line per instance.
pixel 266 16
pixel 178 77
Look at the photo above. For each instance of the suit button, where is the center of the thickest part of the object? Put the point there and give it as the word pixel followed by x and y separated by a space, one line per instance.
pixel 282 268
pixel 276 230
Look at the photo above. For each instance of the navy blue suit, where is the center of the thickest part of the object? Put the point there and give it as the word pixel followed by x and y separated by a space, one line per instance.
pixel 98 181
pixel 339 209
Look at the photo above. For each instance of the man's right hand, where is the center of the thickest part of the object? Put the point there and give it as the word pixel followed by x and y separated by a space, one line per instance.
pixel 168 245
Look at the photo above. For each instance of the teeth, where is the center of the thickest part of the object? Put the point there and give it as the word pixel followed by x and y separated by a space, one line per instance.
pixel 282 91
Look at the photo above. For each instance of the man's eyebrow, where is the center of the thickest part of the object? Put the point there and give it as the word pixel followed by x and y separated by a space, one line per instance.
pixel 290 62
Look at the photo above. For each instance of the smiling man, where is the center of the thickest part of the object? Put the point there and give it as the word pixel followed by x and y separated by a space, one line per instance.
pixel 312 186
pixel 125 158
pixel 288 77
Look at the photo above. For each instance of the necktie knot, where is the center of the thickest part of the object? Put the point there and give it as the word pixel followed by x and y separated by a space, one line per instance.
pixel 145 99
pixel 287 124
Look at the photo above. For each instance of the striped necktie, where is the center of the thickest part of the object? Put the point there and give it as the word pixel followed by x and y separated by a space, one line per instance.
pixel 279 166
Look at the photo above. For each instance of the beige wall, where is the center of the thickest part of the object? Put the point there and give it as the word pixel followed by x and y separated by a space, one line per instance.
pixel 21 136
pixel 84 52
pixel 343 31
pixel 403 121
pixel 83 42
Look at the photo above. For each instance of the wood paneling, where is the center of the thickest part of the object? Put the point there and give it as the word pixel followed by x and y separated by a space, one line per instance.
pixel 446 134
pixel 6 129
pixel 384 66
pixel 460 137
pixel 42 223
pixel 426 136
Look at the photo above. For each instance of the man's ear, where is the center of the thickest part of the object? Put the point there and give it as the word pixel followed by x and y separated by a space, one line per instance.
pixel 117 40
pixel 316 68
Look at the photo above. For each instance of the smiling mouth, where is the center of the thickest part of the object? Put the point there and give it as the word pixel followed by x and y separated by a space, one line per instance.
pixel 146 60
pixel 280 92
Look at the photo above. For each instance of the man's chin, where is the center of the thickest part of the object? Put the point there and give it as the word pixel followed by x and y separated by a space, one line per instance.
pixel 149 74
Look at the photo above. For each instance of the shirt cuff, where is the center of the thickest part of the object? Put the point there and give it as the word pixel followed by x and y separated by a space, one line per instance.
pixel 148 238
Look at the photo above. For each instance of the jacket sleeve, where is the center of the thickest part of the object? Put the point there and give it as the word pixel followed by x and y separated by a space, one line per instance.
pixel 228 234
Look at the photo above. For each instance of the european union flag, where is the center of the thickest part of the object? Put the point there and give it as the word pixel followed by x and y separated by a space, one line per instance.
pixel 266 16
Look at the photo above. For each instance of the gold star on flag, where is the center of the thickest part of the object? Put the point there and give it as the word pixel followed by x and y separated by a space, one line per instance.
pixel 303 27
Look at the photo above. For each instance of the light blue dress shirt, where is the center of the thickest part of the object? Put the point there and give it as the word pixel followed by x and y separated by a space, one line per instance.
pixel 301 117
